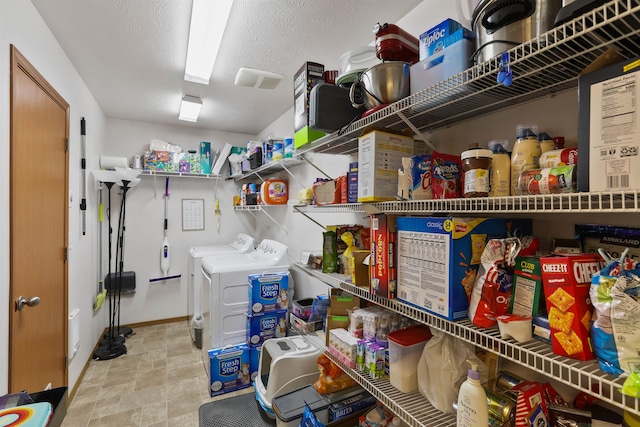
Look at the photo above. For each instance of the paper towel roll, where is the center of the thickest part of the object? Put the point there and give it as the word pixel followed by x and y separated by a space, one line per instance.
pixel 110 163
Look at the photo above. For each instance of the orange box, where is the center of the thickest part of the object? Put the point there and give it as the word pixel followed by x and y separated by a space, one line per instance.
pixel 383 262
pixel 566 279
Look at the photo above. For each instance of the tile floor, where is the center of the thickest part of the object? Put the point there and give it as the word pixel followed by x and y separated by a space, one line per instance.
pixel 160 382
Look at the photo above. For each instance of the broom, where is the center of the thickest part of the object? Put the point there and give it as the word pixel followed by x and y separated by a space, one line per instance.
pixel 102 291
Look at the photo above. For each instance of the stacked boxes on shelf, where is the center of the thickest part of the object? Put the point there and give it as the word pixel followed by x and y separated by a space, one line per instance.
pixel 268 299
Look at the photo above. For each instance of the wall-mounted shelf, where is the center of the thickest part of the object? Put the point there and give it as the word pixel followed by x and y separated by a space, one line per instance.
pixel 180 174
pixel 548 64
pixel 594 202
pixel 271 167
pixel 533 354
pixel 260 208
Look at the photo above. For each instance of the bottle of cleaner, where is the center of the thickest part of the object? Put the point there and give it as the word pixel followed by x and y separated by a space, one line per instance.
pixel 525 156
pixel 500 170
pixel 473 410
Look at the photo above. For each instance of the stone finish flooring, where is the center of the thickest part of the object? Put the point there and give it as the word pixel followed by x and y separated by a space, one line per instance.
pixel 160 382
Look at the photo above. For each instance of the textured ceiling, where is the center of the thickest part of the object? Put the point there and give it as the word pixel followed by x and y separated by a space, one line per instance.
pixel 131 53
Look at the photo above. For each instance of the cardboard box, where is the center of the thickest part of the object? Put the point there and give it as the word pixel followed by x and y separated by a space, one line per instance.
pixel 352 183
pixel 607 140
pixel 414 178
pixel 205 157
pixel 438 259
pixel 308 76
pixel 567 279
pixel 229 369
pixel 383 262
pixel 268 292
pixel 360 275
pixel 334 321
pixel 379 158
pixel 254 361
pixel 341 301
pixel 527 297
pixel 437 38
pixel 264 326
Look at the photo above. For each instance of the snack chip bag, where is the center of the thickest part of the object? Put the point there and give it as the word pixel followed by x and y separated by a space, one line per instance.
pixel 446 176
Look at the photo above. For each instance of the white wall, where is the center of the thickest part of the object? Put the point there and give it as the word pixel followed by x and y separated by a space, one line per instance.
pixel 21 25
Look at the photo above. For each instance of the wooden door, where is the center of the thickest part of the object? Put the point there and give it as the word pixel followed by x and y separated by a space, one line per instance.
pixel 38 224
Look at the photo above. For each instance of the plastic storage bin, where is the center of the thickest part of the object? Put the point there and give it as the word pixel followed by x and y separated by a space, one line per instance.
pixel 405 349
pixel 290 407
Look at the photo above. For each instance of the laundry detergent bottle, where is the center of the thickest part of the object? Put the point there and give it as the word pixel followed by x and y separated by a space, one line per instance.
pixel 473 410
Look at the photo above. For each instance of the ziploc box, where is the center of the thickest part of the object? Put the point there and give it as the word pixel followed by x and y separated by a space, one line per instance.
pixel 268 292
pixel 453 57
pixel 379 158
pixel 264 326
pixel 205 157
pixel 567 280
pixel 229 369
pixel 438 259
pixel 254 361
pixel 382 264
pixel 435 39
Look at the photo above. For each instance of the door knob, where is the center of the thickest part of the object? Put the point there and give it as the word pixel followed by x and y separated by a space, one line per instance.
pixel 22 301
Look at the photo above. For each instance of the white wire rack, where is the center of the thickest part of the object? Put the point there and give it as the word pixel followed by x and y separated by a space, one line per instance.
pixel 534 355
pixel 413 408
pixel 545 65
pixel 180 174
pixel 601 202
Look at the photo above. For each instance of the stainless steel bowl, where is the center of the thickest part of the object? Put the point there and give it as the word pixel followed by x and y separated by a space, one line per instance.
pixel 381 84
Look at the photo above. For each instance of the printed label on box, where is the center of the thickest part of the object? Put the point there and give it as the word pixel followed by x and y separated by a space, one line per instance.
pixel 268 292
pixel 229 369
pixel 263 326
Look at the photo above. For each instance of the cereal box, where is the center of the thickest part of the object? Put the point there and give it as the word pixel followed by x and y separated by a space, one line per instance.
pixel 382 264
pixel 438 259
pixel 263 326
pixel 268 292
pixel 229 369
pixel 566 279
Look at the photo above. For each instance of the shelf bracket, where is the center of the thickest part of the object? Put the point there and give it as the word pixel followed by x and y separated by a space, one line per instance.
pixel 268 216
pixel 315 167
pixel 309 218
pixel 415 130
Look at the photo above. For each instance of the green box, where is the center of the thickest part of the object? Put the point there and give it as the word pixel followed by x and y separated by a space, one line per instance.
pixel 305 136
pixel 527 298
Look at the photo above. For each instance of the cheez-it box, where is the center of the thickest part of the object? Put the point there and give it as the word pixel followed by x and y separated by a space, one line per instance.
pixel 566 279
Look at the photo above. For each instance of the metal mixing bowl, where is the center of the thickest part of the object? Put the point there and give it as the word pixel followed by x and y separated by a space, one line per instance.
pixel 385 83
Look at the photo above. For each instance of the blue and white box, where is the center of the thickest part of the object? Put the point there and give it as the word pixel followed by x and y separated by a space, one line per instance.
pixel 435 39
pixel 229 369
pixel 268 292
pixel 205 157
pixel 264 326
pixel 254 363
pixel 451 56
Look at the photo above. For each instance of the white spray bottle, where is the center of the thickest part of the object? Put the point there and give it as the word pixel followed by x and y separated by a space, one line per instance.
pixel 473 410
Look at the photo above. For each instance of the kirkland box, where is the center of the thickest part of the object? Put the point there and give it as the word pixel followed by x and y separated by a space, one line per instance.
pixel 608 137
pixel 268 292
pixel 379 158
pixel 263 326
pixel 452 56
pixel 308 76
pixel 229 369
pixel 438 259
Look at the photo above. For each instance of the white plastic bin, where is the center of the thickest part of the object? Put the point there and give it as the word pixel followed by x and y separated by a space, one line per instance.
pixel 405 349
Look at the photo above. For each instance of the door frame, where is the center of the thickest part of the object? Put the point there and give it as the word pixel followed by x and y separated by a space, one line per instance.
pixel 20 62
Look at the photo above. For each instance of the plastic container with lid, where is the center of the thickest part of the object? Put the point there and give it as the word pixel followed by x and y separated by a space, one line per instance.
pixel 500 171
pixel 476 163
pixel 290 407
pixel 526 154
pixel 405 349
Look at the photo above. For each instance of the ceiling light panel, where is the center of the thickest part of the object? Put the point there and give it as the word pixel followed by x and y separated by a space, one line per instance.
pixel 208 21
pixel 190 108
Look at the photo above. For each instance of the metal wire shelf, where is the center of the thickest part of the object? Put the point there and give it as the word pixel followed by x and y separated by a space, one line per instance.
pixel 180 174
pixel 548 64
pixel 595 202
pixel 413 408
pixel 535 355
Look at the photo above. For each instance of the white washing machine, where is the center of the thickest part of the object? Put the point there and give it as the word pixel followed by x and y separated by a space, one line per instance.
pixel 226 289
pixel 243 243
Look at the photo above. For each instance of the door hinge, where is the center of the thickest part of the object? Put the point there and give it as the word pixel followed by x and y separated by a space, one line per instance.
pixel 66 254
pixel 66 145
pixel 66 360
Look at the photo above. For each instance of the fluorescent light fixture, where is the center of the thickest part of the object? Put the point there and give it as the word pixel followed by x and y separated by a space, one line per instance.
pixel 208 21
pixel 190 108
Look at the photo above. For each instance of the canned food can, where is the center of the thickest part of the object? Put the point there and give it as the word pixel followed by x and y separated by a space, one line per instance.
pixel 561 157
pixel 556 180
pixel 500 406
pixel 507 380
